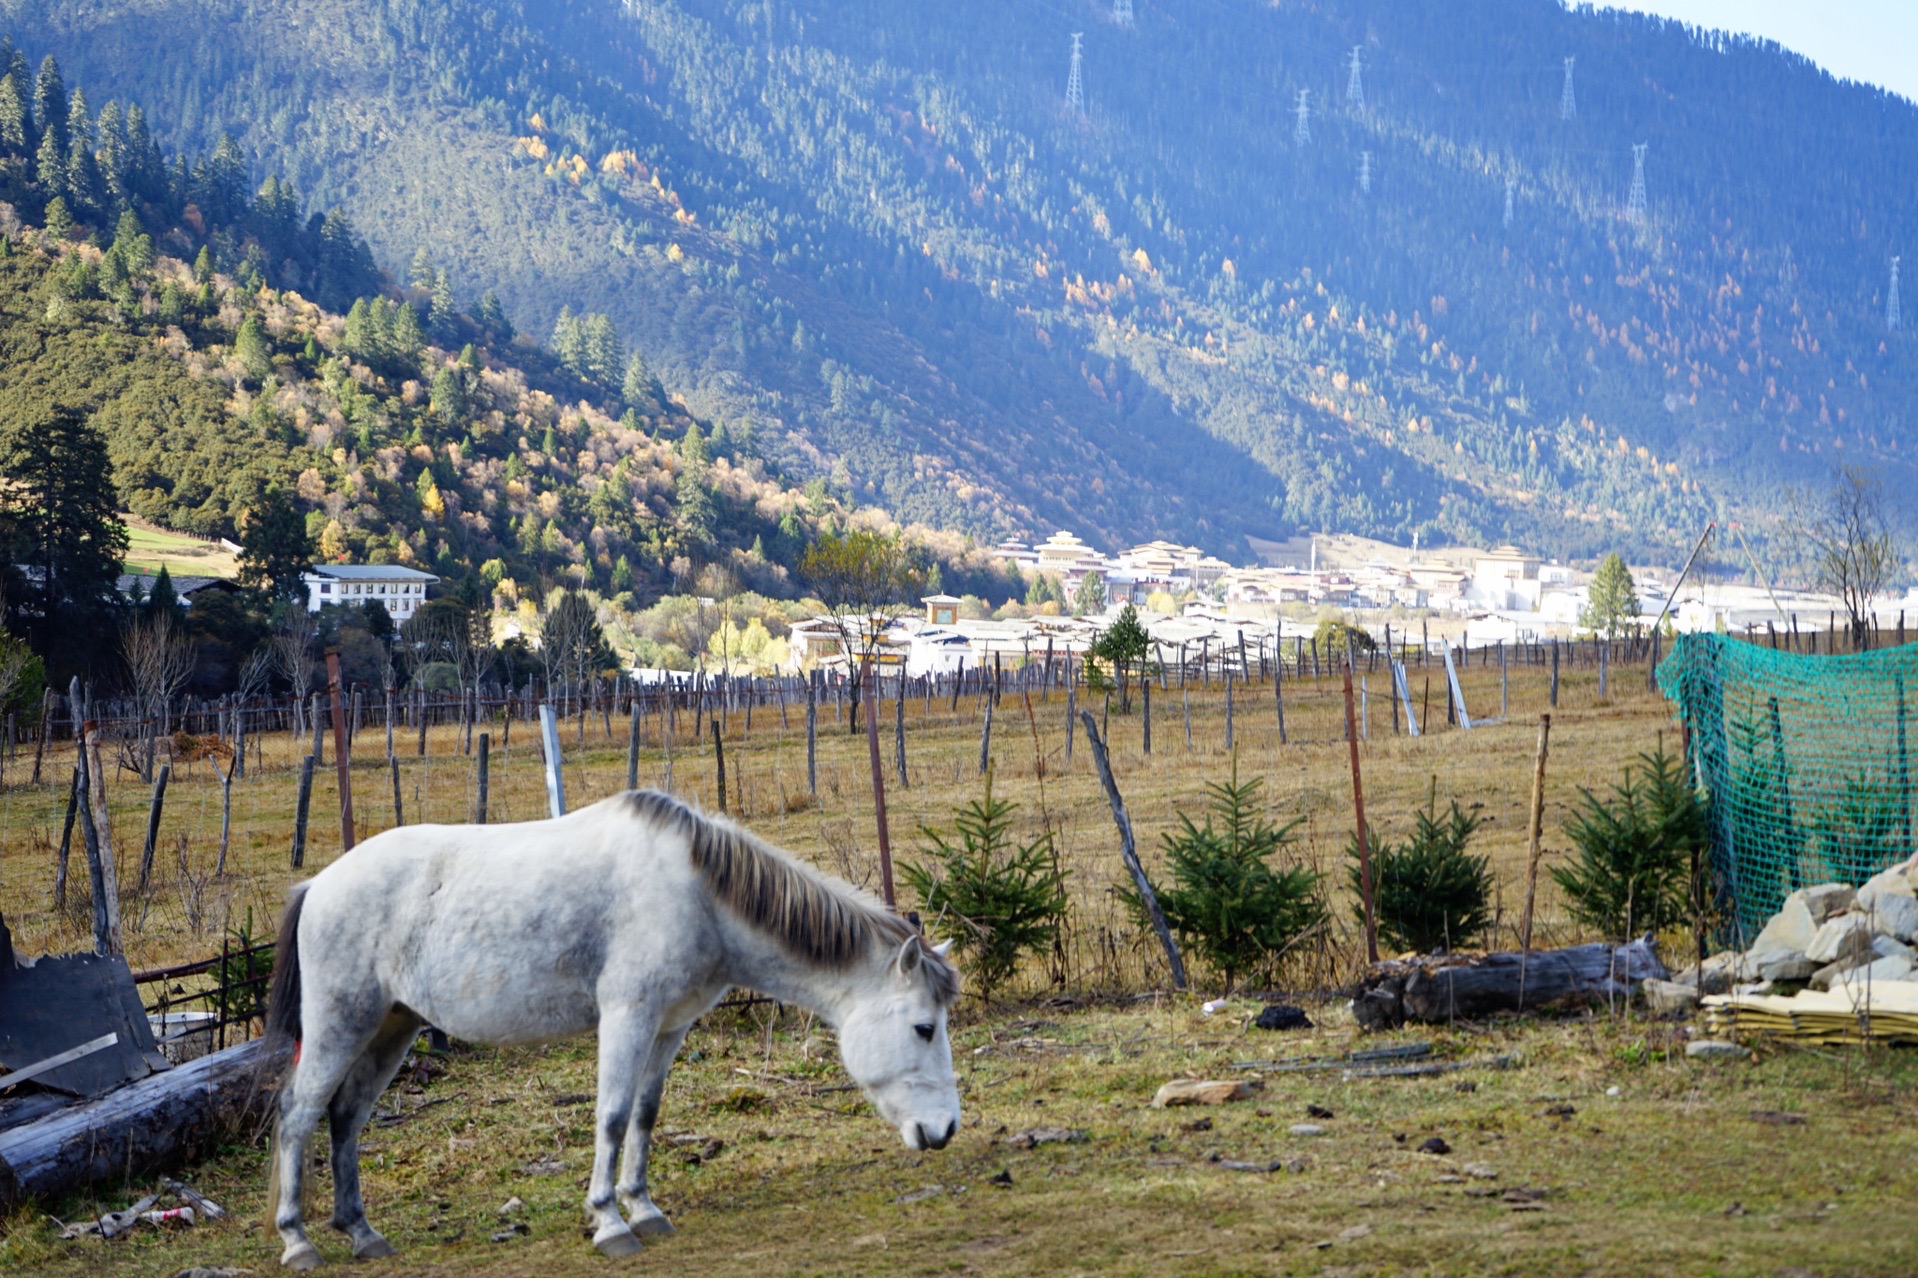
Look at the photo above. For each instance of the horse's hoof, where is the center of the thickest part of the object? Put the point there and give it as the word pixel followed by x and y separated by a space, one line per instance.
pixel 651 1225
pixel 301 1256
pixel 616 1241
pixel 374 1248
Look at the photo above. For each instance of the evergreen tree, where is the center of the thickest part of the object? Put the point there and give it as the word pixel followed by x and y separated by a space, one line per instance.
pixel 420 274
pixel 251 348
pixel 692 498
pixel 568 345
pixel 59 514
pixel 163 600
pixel 492 317
pixel 443 317
pixel 1611 602
pixel 132 244
pixel 636 386
pixel 274 546
pixel 203 266
pixel 58 219
pixel 50 166
pixel 1090 599
pixel 603 353
pixel 50 103
pixel 16 126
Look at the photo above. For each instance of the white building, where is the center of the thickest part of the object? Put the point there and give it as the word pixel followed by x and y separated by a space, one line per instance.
pixel 399 590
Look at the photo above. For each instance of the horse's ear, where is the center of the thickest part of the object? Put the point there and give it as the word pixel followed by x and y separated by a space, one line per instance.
pixel 942 949
pixel 909 956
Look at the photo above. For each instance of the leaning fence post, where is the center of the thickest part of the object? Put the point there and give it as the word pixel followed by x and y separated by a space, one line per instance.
pixel 1534 833
pixel 153 825
pixel 1129 853
pixel 106 886
pixel 549 740
pixel 66 844
pixel 879 780
pixel 300 810
pixel 1366 895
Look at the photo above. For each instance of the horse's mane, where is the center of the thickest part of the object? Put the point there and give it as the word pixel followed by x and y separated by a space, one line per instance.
pixel 815 917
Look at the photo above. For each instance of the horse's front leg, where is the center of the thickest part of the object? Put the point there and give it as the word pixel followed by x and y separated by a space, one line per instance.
pixel 641 1213
pixel 626 1036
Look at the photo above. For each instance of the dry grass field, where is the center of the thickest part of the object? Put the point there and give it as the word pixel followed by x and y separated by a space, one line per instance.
pixel 181 917
pixel 1600 1150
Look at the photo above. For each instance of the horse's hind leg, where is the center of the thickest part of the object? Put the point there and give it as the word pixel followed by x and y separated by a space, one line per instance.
pixel 626 1036
pixel 641 1213
pixel 352 1105
pixel 326 1055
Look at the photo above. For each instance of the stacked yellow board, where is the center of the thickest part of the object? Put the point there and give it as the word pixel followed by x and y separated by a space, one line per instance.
pixel 1884 1012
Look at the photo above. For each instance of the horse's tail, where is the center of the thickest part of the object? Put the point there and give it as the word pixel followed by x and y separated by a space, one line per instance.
pixel 282 1029
pixel 283 996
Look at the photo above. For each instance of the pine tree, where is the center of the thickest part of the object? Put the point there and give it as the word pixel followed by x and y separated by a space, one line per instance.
pixel 58 218
pixel 50 166
pixel 604 353
pixel 274 546
pixel 443 318
pixel 163 600
pixel 566 340
pixel 50 103
pixel 636 387
pixel 203 266
pixel 252 350
pixel 492 317
pixel 691 496
pixel 1611 602
pixel 59 514
pixel 16 126
pixel 132 244
pixel 420 274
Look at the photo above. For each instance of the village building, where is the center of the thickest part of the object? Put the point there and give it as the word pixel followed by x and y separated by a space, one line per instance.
pixel 399 590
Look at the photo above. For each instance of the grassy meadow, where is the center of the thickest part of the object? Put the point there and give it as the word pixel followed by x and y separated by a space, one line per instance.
pixel 1598 1149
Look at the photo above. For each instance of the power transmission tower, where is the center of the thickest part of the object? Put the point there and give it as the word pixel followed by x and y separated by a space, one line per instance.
pixel 1892 317
pixel 1510 187
pixel 1365 171
pixel 1302 131
pixel 1122 12
pixel 1567 100
pixel 1075 91
pixel 1635 200
pixel 1354 84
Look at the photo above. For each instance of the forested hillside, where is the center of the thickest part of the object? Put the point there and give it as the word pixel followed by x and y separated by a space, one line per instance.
pixel 157 298
pixel 885 240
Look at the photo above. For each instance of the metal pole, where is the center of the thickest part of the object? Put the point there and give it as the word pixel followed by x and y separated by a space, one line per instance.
pixel 549 738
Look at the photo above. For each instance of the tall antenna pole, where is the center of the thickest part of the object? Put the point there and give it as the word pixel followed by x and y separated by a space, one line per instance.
pixel 1365 171
pixel 1075 91
pixel 1567 100
pixel 1892 317
pixel 1122 12
pixel 1510 187
pixel 1354 84
pixel 1635 202
pixel 1302 131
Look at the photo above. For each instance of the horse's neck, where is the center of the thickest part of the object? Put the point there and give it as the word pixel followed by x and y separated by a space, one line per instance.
pixel 755 961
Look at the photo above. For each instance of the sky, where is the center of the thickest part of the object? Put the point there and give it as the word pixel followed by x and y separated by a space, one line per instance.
pixel 1874 41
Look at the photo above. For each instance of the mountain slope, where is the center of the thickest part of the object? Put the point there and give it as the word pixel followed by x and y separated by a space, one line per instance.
pixel 882 239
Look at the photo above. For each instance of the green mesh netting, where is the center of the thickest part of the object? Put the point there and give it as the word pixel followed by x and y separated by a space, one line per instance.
pixel 1805 761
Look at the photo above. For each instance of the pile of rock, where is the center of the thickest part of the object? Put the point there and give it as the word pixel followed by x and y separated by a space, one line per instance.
pixel 1830 938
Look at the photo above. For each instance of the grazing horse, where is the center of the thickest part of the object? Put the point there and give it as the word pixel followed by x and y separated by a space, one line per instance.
pixel 634 917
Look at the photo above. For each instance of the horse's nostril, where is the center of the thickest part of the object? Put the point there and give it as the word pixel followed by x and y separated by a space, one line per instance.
pixel 952 1129
pixel 919 1130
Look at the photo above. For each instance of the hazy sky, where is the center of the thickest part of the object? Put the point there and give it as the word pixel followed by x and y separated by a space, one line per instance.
pixel 1875 41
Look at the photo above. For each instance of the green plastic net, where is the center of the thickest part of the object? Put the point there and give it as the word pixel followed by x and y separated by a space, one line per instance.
pixel 1805 761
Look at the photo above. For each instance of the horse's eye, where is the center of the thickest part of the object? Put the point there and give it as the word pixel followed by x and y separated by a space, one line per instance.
pixel 924 1031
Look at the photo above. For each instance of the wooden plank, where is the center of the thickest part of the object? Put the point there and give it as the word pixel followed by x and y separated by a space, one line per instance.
pixel 67 1057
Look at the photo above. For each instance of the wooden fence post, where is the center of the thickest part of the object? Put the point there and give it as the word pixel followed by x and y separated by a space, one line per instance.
pixel 985 729
pixel 1129 853
pixel 1145 714
pixel 106 912
pixel 342 750
pixel 1534 834
pixel 632 747
pixel 399 809
pixel 300 811
pixel 480 778
pixel 719 760
pixel 154 809
pixel 879 780
pixel 555 783
pixel 899 731
pixel 66 844
pixel 812 736
pixel 1366 894
pixel 1554 693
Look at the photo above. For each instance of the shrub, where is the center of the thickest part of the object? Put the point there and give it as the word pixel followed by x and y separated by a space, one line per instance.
pixel 1227 901
pixel 1634 851
pixel 1007 899
pixel 1429 892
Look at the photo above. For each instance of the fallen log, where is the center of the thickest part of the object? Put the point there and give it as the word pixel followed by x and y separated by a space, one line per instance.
pixel 162 1121
pixel 1434 989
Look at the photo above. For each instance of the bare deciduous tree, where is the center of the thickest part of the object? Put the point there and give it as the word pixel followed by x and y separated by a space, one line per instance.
pixel 159 658
pixel 293 642
pixel 1846 543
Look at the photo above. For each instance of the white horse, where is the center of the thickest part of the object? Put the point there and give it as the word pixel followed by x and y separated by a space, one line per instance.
pixel 633 916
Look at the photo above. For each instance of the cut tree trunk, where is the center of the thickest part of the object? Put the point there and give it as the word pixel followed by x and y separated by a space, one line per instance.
pixel 1439 988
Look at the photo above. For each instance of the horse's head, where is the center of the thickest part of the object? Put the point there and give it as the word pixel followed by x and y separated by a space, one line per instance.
pixel 893 1043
